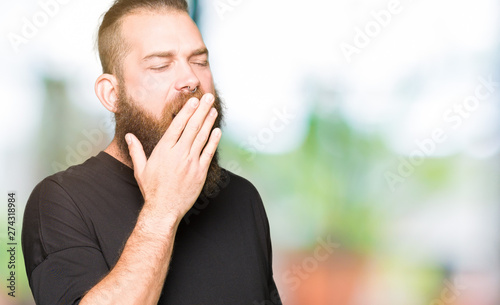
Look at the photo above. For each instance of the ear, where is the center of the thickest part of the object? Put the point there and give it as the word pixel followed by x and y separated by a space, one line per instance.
pixel 106 89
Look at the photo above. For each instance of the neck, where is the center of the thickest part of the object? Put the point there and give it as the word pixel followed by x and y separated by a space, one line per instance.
pixel 114 151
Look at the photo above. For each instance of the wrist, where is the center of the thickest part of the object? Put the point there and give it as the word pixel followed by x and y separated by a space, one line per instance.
pixel 158 221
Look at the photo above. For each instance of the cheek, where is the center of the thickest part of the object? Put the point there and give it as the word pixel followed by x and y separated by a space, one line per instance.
pixel 151 93
pixel 148 90
pixel 207 82
pixel 147 87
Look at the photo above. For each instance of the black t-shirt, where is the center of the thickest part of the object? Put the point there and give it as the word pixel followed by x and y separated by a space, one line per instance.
pixel 77 221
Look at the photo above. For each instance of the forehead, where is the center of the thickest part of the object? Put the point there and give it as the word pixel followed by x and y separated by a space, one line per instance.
pixel 148 32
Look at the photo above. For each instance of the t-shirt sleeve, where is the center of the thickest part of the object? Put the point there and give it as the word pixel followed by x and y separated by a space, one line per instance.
pixel 63 260
pixel 265 236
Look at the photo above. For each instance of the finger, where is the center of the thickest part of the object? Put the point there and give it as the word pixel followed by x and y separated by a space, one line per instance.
pixel 202 137
pixel 178 124
pixel 136 153
pixel 195 123
pixel 210 149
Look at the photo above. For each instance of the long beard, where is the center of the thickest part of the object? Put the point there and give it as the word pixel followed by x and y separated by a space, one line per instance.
pixel 130 118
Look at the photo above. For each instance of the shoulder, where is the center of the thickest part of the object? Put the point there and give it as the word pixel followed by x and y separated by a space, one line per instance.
pixel 53 200
pixel 65 186
pixel 246 194
pixel 249 203
pixel 241 192
pixel 240 185
pixel 46 191
pixel 52 191
pixel 52 221
pixel 51 205
pixel 74 174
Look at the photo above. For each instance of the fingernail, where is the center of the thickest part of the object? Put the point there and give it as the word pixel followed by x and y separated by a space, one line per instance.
pixel 209 99
pixel 213 112
pixel 194 102
pixel 128 138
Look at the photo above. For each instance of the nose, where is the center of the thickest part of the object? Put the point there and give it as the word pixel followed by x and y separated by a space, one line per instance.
pixel 187 81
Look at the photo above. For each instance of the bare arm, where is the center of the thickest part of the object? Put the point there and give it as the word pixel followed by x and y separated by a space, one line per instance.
pixel 170 181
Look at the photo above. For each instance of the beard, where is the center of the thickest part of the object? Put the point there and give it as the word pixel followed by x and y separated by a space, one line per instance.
pixel 131 118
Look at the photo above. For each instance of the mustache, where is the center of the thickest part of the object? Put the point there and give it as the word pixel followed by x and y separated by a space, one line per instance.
pixel 179 101
pixel 146 126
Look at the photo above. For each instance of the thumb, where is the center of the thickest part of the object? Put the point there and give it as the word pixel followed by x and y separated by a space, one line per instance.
pixel 136 153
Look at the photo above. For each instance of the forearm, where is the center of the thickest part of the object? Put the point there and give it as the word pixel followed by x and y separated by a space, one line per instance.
pixel 139 274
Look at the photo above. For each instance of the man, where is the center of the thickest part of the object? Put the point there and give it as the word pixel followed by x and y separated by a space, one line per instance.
pixel 152 219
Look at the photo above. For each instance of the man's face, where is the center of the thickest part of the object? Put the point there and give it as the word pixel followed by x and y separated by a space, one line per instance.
pixel 165 63
pixel 167 57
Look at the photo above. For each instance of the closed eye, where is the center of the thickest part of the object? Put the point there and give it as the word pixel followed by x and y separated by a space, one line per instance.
pixel 201 63
pixel 160 68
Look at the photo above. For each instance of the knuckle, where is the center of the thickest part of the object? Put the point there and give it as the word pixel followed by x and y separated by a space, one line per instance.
pixel 175 127
pixel 195 127
pixel 202 138
pixel 189 159
pixel 209 153
pixel 200 175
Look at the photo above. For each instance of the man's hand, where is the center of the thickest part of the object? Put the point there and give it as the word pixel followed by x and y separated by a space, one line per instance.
pixel 174 175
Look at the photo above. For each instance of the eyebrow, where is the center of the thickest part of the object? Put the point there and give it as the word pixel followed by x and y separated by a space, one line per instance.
pixel 166 54
pixel 200 51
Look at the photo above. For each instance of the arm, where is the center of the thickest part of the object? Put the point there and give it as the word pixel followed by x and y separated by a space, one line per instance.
pixel 170 181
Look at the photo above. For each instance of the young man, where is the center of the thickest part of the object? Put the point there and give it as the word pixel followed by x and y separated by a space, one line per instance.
pixel 152 219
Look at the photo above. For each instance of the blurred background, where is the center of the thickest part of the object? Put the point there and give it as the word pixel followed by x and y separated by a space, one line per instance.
pixel 370 128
